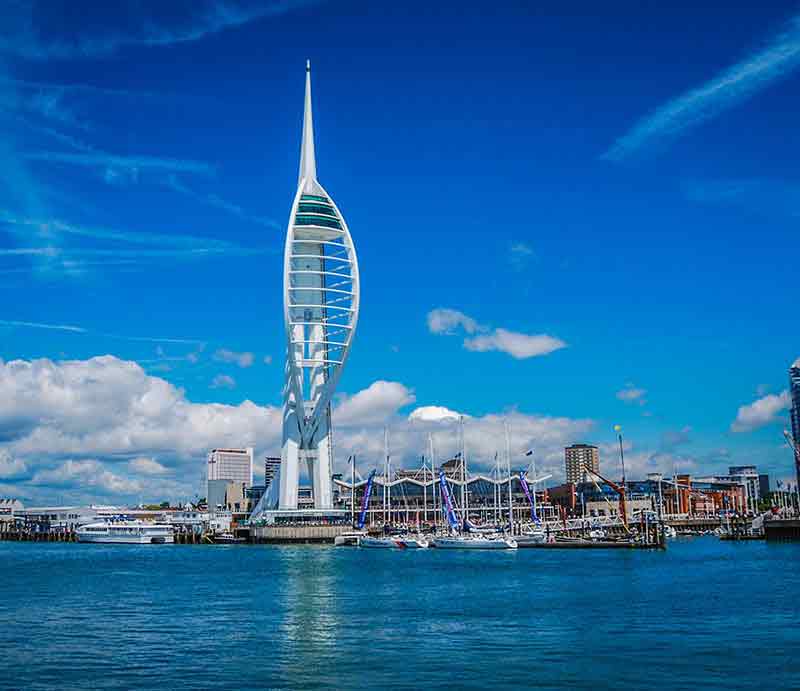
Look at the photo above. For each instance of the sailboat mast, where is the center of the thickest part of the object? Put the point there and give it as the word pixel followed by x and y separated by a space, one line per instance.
pixel 385 472
pixel 508 467
pixel 464 491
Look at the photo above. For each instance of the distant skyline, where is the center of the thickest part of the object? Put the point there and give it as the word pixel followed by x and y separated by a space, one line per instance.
pixel 566 218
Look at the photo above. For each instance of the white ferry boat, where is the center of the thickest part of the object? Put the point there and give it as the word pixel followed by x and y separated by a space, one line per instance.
pixel 126 532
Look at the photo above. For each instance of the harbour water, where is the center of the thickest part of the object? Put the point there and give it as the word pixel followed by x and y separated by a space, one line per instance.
pixel 704 614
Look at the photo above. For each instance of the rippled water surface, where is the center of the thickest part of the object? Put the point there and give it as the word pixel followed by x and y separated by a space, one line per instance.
pixel 705 614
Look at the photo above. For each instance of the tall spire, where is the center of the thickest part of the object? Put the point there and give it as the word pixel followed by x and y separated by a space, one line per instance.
pixel 308 162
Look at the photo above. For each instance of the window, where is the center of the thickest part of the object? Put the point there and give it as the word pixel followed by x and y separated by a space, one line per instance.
pixel 316 209
pixel 317 221
pixel 314 197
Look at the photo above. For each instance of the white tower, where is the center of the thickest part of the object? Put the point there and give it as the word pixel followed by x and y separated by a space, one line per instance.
pixel 320 306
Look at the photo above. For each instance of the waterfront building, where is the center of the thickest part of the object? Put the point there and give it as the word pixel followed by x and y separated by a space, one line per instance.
pixel 232 465
pixel 578 458
pixel 748 476
pixel 9 507
pixel 794 413
pixel 320 300
pixel 763 485
pixel 272 467
pixel 415 497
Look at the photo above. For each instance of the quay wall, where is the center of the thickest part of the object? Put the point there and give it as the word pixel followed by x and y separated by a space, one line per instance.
pixel 302 534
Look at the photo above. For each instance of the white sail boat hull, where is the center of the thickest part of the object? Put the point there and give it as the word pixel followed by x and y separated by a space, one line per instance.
pixel 474 543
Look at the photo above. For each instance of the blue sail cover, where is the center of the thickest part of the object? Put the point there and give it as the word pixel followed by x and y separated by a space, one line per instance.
pixel 524 482
pixel 362 517
pixel 448 502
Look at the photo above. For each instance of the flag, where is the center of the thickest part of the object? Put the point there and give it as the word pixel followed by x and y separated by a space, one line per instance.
pixel 530 453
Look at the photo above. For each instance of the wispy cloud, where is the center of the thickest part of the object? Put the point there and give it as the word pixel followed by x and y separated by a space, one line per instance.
pixel 776 59
pixel 223 381
pixel 56 226
pixel 241 359
pixel 760 195
pixel 81 330
pixel 30 35
pixel 36 325
pixel 217 202
pixel 520 255
pixel 632 394
pixel 133 164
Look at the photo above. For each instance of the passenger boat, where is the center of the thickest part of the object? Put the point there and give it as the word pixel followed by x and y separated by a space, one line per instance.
pixel 126 532
pixel 227 538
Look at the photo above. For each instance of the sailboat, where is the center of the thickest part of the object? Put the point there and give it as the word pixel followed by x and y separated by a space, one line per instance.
pixel 457 538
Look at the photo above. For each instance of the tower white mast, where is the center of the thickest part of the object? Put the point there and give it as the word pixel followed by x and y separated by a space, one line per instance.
pixel 320 302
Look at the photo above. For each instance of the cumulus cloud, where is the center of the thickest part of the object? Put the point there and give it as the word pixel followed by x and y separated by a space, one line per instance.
pixel 632 394
pixel 241 359
pixel 109 407
pixel 147 466
pixel 760 412
pixel 444 321
pixel 103 429
pixel 517 345
pixel 433 413
pixel 88 473
pixel 223 381
pixel 373 404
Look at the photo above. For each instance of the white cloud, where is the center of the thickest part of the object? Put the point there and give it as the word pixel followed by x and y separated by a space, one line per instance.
pixel 147 466
pixel 796 363
pixel 241 359
pixel 11 467
pixel 373 404
pixel 518 345
pixel 760 412
pixel 88 473
pixel 93 429
pixel 105 406
pixel 268 359
pixel 445 321
pixel 484 436
pixel 433 413
pixel 632 394
pixel 223 381
pixel 520 255
pixel 737 83
pixel 30 35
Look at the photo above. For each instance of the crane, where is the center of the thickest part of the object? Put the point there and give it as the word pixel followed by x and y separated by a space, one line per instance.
pixel 620 490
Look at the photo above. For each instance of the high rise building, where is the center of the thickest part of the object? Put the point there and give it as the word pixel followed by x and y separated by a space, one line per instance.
pixel 320 307
pixel 231 465
pixel 578 458
pixel 746 475
pixel 794 414
pixel 271 467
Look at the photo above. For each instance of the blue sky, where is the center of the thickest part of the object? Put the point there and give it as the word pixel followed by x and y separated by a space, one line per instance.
pixel 621 179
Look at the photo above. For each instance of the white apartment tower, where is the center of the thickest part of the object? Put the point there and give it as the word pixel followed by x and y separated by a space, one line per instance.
pixel 232 465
